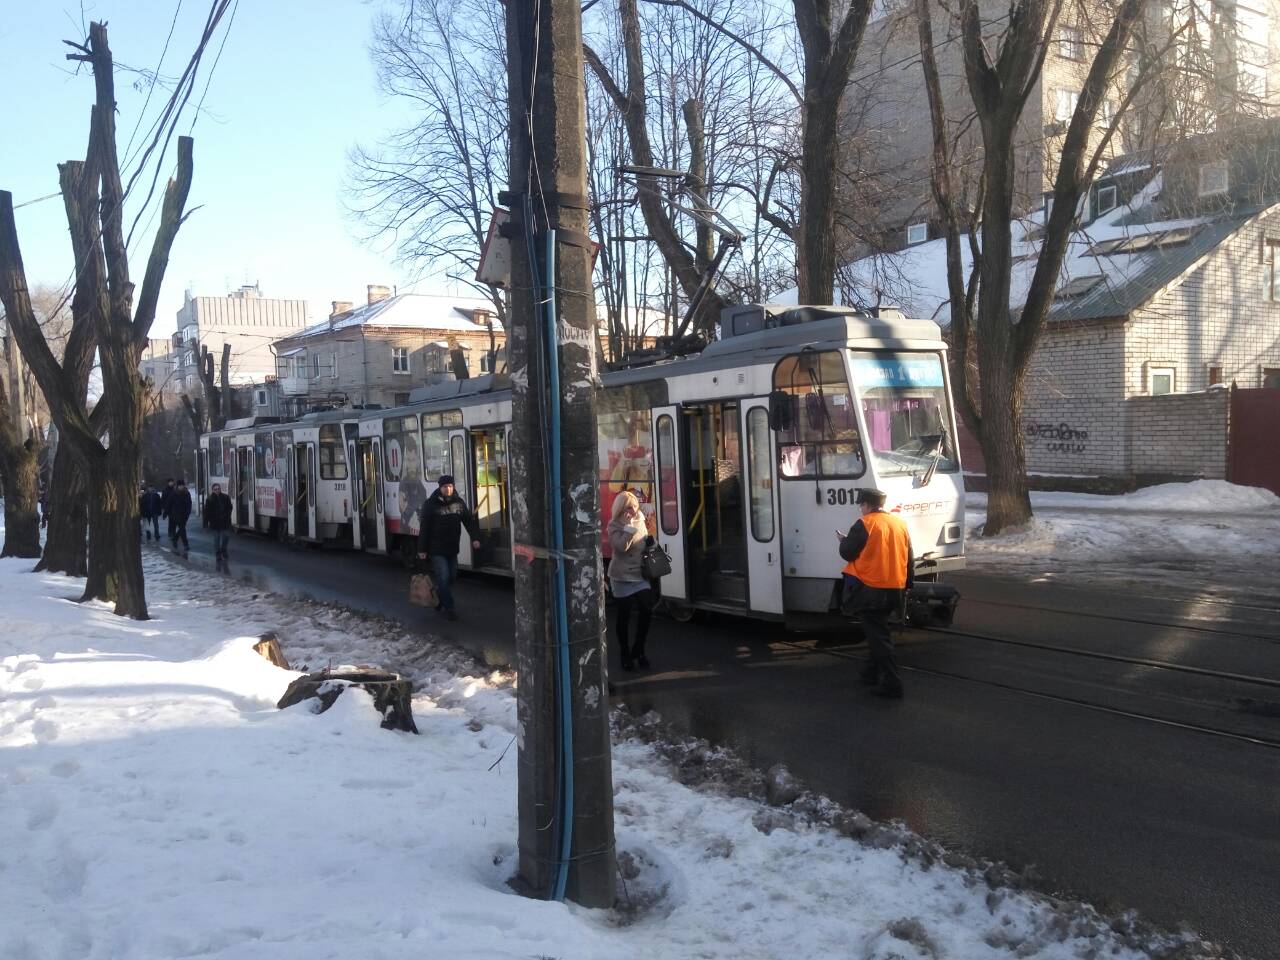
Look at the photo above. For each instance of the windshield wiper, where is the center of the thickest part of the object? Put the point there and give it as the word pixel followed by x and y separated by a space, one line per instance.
pixel 939 446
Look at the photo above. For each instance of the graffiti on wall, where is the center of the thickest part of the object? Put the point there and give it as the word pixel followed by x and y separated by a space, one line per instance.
pixel 1059 437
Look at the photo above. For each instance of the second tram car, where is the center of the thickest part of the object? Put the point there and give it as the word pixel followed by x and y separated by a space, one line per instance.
pixel 745 458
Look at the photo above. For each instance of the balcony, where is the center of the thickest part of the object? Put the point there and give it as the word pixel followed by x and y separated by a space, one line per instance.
pixel 294 386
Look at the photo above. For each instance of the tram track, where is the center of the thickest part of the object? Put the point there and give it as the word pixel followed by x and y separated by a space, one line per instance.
pixel 1113 657
pixel 1172 624
pixel 1254 739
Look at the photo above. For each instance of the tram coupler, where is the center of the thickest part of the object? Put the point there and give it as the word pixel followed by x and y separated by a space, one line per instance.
pixel 931 601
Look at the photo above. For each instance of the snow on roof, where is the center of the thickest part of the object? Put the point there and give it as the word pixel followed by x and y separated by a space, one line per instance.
pixel 1113 265
pixel 413 311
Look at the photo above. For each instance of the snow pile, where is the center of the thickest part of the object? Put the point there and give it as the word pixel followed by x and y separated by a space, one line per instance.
pixel 160 806
pixel 1206 532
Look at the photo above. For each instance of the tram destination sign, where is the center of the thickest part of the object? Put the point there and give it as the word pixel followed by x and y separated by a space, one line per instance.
pixel 899 371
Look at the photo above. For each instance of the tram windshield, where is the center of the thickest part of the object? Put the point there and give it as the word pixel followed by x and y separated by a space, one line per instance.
pixel 904 405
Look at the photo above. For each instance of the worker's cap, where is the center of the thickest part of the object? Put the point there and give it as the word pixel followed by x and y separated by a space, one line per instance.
pixel 445 478
pixel 870 496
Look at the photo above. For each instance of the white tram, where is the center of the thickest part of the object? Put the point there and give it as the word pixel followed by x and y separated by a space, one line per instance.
pixel 745 458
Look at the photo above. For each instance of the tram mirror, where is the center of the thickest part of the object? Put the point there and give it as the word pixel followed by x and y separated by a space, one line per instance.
pixel 782 410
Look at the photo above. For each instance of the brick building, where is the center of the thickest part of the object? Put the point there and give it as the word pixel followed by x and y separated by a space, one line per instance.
pixel 1221 66
pixel 243 318
pixel 379 352
pixel 1167 297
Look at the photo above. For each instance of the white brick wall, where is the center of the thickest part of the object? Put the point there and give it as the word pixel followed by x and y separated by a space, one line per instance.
pixel 1179 434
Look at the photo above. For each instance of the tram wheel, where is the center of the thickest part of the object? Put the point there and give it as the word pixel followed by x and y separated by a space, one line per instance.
pixel 677 611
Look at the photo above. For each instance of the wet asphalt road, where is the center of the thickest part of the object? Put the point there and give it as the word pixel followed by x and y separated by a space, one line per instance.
pixel 1020 754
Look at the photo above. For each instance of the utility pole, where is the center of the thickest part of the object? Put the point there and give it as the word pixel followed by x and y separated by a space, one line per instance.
pixel 565 776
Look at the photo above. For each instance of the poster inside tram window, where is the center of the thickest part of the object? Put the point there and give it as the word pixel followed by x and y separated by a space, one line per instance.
pixel 625 462
pixel 405 491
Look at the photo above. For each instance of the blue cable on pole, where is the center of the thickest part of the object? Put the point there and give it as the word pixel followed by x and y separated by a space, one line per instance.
pixel 560 600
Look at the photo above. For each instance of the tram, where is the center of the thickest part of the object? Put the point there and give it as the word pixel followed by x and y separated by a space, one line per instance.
pixel 745 458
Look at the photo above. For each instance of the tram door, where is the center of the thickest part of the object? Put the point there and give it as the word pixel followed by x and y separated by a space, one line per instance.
pixel 372 531
pixel 356 483
pixel 460 467
pixel 670 526
pixel 712 491
pixel 493 513
pixel 764 536
pixel 304 494
pixel 244 486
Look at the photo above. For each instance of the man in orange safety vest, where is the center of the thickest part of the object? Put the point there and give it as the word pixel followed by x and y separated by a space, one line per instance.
pixel 879 568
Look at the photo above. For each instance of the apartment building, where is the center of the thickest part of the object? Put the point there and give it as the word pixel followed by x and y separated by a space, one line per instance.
pixel 1218 66
pixel 246 320
pixel 378 353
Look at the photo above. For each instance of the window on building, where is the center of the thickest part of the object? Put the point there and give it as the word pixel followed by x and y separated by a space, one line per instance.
pixel 400 399
pixel 485 365
pixel 400 359
pixel 1078 286
pixel 1065 105
pixel 1270 273
pixel 1106 114
pixel 1106 199
pixel 262 398
pixel 1215 375
pixel 917 233
pixel 1213 178
pixel 1162 381
pixel 1071 43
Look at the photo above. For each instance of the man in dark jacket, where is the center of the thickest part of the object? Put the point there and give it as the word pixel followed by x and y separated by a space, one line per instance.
pixel 165 497
pixel 149 510
pixel 443 517
pixel 179 514
pixel 880 568
pixel 217 517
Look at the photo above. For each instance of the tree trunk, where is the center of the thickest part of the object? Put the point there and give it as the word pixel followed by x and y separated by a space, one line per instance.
pixel 815 238
pixel 1008 497
pixel 122 550
pixel 64 542
pixel 21 496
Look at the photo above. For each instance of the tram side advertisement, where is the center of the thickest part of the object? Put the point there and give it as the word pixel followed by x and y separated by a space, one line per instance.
pixel 625 463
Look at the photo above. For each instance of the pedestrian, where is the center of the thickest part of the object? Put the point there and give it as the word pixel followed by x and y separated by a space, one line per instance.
pixel 443 517
pixel 628 538
pixel 179 514
pixel 217 517
pixel 165 497
pixel 149 510
pixel 880 568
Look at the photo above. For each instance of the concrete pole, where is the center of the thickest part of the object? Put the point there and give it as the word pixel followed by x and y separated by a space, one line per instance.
pixel 548 185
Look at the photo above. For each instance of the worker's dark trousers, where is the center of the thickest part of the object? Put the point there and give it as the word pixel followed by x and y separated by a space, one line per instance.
pixel 875 626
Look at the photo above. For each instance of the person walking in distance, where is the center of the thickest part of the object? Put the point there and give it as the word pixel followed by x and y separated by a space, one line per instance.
pixel 879 568
pixel 179 514
pixel 217 517
pixel 442 519
pixel 628 537
pixel 165 497
pixel 149 509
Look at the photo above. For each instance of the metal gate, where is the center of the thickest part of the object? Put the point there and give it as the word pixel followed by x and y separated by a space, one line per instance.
pixel 1253 455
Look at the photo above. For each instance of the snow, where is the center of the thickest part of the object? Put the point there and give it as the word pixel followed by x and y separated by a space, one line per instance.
pixel 160 806
pixel 1206 532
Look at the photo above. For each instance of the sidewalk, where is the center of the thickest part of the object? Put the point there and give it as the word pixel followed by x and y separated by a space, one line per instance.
pixel 163 807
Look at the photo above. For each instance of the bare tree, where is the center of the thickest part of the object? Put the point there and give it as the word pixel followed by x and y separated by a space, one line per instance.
pixel 94 195
pixel 992 345
pixel 432 186
pixel 17 461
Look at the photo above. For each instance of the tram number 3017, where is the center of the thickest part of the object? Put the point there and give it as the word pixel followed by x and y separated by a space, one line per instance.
pixel 841 495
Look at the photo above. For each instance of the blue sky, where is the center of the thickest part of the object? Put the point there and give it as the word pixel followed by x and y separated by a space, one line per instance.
pixel 294 90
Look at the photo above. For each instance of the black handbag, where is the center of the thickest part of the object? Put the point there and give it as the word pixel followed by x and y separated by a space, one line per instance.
pixel 655 562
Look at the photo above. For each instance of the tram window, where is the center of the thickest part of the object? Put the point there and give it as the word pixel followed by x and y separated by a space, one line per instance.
pixel 263 456
pixel 457 457
pixel 333 457
pixel 215 456
pixel 402 461
pixel 624 452
pixel 760 474
pixel 904 401
pixel 668 512
pixel 228 456
pixel 822 438
pixel 281 440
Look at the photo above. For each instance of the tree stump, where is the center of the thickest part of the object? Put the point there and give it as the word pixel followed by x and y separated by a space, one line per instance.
pixel 268 646
pixel 391 693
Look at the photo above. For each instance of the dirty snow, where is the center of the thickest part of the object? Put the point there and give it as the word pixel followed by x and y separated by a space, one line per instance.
pixel 158 805
pixel 1184 535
